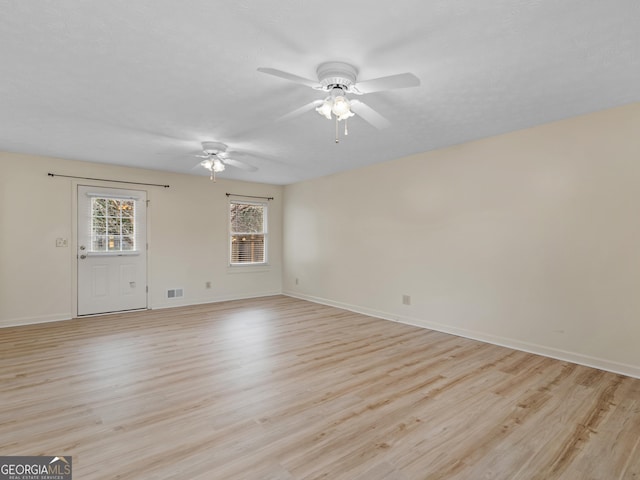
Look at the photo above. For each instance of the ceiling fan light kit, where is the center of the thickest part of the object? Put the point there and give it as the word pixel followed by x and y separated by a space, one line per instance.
pixel 337 104
pixel 341 107
pixel 214 166
pixel 337 78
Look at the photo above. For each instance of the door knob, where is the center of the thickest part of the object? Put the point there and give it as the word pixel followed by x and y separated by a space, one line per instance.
pixel 82 257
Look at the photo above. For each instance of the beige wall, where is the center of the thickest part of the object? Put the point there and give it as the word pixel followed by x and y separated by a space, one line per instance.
pixel 529 239
pixel 187 236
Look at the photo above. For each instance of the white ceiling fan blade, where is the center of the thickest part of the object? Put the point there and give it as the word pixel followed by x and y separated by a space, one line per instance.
pixel 369 115
pixel 239 164
pixel 299 111
pixel 291 77
pixel 401 80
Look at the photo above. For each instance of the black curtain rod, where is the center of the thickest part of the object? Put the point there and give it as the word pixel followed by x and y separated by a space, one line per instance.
pixel 247 196
pixel 106 180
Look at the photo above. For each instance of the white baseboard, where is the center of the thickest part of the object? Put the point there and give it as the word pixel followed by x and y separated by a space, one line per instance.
pixel 573 357
pixel 19 322
pixel 181 302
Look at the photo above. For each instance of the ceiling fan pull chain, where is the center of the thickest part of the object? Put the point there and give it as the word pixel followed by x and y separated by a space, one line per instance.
pixel 346 131
pixel 337 131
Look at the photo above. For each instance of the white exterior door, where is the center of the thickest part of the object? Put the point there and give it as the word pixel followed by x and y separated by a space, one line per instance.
pixel 112 250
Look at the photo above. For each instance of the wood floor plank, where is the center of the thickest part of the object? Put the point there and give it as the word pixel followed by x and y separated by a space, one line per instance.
pixel 282 389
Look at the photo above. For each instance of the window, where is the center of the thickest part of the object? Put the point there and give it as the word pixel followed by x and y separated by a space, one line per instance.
pixel 248 233
pixel 112 225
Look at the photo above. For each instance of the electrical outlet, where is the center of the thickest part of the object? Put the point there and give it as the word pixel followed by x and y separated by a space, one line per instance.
pixel 297 281
pixel 406 300
pixel 207 285
pixel 61 242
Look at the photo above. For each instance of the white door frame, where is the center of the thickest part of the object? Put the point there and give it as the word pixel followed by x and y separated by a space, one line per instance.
pixel 74 237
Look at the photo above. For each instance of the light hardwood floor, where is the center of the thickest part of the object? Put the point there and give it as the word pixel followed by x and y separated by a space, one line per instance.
pixel 281 389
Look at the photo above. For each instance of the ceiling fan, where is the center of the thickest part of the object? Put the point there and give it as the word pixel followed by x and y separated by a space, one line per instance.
pixel 216 159
pixel 338 79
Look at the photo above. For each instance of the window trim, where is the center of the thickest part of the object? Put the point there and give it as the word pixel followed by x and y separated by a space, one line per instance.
pixel 265 235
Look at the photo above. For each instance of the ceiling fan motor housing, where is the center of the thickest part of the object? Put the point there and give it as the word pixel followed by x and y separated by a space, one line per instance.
pixel 336 74
pixel 213 148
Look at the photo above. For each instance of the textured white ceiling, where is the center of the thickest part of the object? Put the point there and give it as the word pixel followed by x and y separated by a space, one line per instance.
pixel 143 82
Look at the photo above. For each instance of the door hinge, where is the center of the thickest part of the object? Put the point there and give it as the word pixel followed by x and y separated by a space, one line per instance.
pixel 147 246
pixel 148 202
pixel 147 288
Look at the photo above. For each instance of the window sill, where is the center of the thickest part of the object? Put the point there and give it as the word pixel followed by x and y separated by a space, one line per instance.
pixel 264 267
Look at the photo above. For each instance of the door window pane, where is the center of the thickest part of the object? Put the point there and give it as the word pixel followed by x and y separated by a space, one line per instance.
pixel 112 224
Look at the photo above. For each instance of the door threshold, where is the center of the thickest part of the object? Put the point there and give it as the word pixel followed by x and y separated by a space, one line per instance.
pixel 116 312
